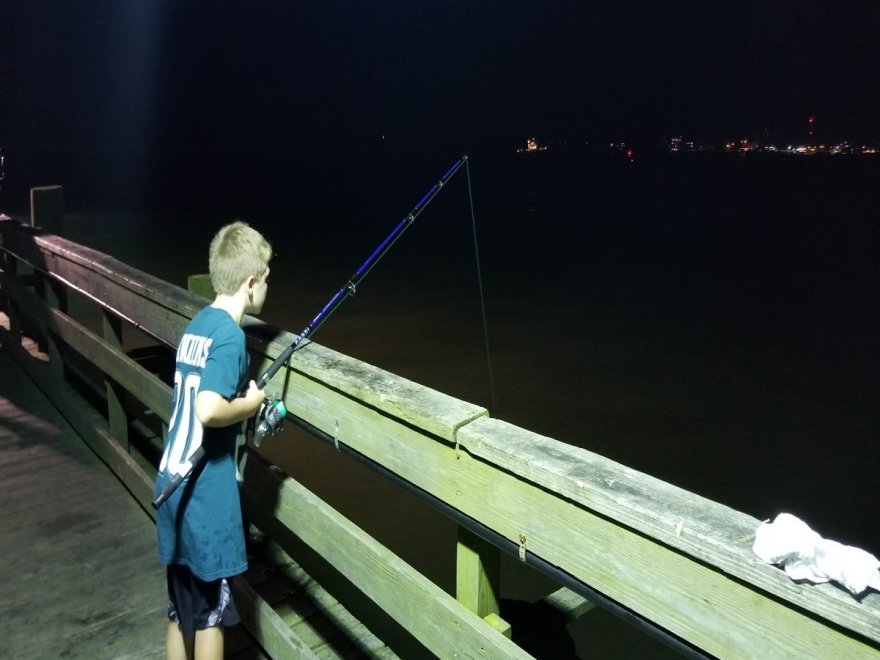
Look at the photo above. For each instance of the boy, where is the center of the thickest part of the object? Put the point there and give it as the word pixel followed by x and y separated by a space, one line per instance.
pixel 199 528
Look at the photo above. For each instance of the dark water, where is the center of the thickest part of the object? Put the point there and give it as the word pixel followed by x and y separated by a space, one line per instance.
pixel 708 319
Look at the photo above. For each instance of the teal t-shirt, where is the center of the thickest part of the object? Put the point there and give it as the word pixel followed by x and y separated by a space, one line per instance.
pixel 200 525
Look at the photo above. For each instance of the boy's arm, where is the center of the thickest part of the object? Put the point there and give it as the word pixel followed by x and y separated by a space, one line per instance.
pixel 213 410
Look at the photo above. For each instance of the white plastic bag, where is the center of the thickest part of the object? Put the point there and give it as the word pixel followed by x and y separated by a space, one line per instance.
pixel 790 543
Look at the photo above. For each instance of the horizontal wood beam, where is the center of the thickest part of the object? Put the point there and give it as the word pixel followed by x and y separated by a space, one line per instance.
pixel 693 599
pixel 90 426
pixel 436 619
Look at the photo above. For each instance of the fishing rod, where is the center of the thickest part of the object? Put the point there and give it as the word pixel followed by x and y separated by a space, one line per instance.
pixel 274 413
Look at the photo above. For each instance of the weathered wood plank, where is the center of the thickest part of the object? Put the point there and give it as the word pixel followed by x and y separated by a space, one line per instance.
pixel 571 605
pixel 311 596
pixel 47 208
pixel 712 532
pixel 132 634
pixel 147 387
pixel 163 310
pixel 129 293
pixel 88 425
pixel 477 574
pixel 266 626
pixel 442 624
pixel 117 417
pixel 314 368
pixel 92 270
pixel 695 600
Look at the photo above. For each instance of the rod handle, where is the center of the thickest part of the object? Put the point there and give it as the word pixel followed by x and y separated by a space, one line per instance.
pixel 176 480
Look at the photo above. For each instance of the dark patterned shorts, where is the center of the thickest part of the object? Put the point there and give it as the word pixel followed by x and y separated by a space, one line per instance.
pixel 195 604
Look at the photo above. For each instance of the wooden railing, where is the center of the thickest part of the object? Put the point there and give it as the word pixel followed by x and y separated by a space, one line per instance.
pixel 671 558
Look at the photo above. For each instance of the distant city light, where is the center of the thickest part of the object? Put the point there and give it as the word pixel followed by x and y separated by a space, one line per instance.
pixel 742 146
pixel 532 146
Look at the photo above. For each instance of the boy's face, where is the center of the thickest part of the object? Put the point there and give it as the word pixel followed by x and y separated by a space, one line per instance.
pixel 257 294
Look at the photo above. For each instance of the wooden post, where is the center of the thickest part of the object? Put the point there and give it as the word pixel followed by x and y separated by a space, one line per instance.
pixel 47 208
pixel 201 284
pixel 477 578
pixel 48 343
pixel 4 299
pixel 117 418
pixel 10 268
pixel 48 212
pixel 54 294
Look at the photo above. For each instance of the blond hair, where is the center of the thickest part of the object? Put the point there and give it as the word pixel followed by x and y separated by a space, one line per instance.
pixel 237 252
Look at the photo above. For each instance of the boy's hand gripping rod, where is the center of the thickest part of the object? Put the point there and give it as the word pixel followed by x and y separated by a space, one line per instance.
pixel 275 412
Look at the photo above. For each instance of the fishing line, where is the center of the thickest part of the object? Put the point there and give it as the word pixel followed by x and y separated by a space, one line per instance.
pixel 275 412
pixel 467 170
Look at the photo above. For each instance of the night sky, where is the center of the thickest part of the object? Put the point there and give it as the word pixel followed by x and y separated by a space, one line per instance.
pixel 760 280
pixel 172 75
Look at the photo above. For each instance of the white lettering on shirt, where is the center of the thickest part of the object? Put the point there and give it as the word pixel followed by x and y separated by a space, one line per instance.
pixel 193 350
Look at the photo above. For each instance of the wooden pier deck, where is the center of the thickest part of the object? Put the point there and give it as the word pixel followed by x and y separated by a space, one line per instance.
pixel 80 577
pixel 80 574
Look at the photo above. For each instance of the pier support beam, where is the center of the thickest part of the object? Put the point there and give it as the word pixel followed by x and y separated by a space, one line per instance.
pixel 117 417
pixel 47 208
pixel 478 566
pixel 201 284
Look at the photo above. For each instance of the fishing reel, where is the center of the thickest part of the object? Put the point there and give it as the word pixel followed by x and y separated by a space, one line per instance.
pixel 271 420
